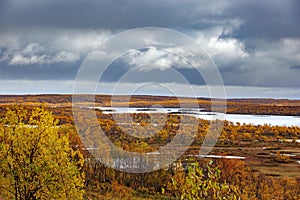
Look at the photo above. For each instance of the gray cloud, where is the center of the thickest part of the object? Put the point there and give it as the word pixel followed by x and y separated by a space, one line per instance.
pixel 110 14
pixel 45 53
pixel 295 67
pixel 269 19
pixel 34 53
pixel 60 71
pixel 254 43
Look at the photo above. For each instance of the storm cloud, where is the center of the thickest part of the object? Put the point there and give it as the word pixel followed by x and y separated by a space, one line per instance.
pixel 254 43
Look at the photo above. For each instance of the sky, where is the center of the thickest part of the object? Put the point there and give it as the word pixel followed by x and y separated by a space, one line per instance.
pixel 254 44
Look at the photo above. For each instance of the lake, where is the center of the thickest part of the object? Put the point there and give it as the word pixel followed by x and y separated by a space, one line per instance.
pixel 199 113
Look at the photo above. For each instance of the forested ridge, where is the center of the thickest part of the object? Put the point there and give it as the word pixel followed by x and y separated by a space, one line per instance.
pixel 234 106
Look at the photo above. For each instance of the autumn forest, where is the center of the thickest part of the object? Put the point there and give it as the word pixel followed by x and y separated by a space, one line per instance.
pixel 43 156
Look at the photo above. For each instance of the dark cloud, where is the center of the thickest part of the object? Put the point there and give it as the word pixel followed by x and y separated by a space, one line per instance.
pixel 253 42
pixel 3 6
pixel 191 76
pixel 61 71
pixel 296 67
pixel 114 72
pixel 268 19
pixel 110 14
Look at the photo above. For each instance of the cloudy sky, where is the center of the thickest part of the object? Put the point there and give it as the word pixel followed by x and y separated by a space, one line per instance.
pixel 255 45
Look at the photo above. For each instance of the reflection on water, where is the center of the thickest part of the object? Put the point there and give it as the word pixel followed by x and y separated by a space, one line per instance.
pixel 199 113
pixel 220 156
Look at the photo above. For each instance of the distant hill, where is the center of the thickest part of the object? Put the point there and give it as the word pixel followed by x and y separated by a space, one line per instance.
pixel 261 106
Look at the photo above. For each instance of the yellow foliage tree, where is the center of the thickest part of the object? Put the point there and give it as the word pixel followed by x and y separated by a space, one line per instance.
pixel 198 183
pixel 36 162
